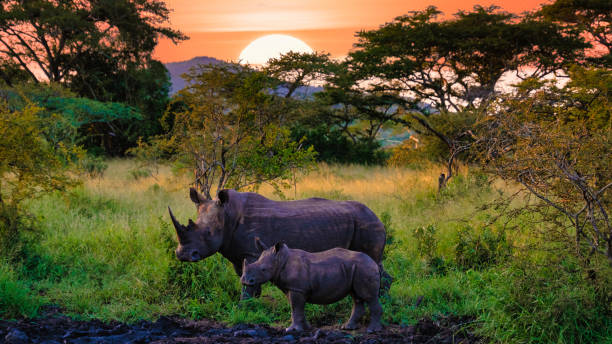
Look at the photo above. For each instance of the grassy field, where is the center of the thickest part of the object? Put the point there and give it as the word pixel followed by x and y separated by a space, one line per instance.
pixel 105 250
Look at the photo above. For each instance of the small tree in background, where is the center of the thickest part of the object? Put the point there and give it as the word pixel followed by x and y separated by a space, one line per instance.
pixel 227 128
pixel 31 165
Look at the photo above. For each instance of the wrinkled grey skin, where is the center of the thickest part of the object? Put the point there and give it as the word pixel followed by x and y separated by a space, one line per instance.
pixel 322 278
pixel 229 225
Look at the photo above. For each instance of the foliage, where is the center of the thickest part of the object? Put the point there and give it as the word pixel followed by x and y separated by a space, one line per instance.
pixel 333 146
pixel 228 128
pixel 476 249
pixel 412 69
pixel 590 17
pixel 427 244
pixel 297 70
pixel 98 126
pixel 557 143
pixel 98 49
pixel 94 166
pixel 337 129
pixel 142 87
pixel 57 37
pixel 30 166
pixel 455 64
pixel 15 298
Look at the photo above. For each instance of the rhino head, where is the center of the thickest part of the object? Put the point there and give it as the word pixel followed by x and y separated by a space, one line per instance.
pixel 266 266
pixel 204 237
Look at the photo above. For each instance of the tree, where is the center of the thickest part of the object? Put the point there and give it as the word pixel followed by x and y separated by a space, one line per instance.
pixel 297 70
pixel 100 49
pixel 52 37
pixel 557 143
pixel 590 17
pixel 31 166
pixel 226 127
pixel 337 130
pixel 452 67
pixel 455 64
pixel 145 87
pixel 94 124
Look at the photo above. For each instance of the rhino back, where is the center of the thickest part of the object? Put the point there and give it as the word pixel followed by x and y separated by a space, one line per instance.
pixel 313 225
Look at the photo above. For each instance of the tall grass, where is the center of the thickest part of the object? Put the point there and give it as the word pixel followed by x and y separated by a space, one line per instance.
pixel 105 250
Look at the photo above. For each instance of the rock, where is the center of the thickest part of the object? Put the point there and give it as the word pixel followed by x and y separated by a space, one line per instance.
pixel 218 332
pixel 334 335
pixel 259 333
pixel 15 336
pixel 288 338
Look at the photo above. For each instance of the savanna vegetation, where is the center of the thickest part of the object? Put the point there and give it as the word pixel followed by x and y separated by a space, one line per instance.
pixel 496 200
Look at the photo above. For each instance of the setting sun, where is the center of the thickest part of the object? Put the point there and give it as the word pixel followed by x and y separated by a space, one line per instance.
pixel 264 48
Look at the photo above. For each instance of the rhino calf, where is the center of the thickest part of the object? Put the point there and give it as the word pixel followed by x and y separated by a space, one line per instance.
pixel 321 278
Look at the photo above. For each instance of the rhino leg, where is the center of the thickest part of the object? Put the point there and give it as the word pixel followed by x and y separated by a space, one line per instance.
pixel 249 291
pixel 375 314
pixel 298 319
pixel 356 314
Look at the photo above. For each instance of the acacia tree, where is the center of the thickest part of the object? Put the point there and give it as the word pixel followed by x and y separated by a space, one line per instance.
pixel 48 39
pixel 557 144
pixel 296 69
pixel 455 64
pixel 590 17
pixel 226 127
pixel 452 67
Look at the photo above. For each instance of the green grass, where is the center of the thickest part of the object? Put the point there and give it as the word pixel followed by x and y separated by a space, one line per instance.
pixel 105 251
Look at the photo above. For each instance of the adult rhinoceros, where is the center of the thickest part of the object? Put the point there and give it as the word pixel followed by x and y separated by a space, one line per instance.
pixel 230 225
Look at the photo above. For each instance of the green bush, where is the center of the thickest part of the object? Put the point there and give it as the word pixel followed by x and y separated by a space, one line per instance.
pixel 15 299
pixel 94 166
pixel 31 164
pixel 476 249
pixel 427 244
pixel 333 146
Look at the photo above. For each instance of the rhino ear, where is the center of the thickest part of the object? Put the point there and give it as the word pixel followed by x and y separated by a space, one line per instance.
pixel 279 246
pixel 195 196
pixel 260 245
pixel 191 225
pixel 223 196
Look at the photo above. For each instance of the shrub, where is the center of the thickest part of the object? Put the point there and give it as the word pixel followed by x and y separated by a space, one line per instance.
pixel 15 300
pixel 476 249
pixel 94 166
pixel 30 166
pixel 333 146
pixel 427 244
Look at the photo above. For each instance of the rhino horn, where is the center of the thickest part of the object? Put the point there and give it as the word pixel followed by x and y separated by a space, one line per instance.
pixel 177 225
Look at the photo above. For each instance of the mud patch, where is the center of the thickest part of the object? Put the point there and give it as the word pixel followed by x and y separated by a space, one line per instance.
pixel 57 328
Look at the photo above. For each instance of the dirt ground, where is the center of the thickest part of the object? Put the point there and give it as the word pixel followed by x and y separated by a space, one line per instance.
pixel 55 328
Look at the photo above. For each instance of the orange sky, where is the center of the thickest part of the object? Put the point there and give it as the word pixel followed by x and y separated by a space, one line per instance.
pixel 222 28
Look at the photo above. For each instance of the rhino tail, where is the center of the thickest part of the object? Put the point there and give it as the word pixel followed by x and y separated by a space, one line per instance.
pixel 385 281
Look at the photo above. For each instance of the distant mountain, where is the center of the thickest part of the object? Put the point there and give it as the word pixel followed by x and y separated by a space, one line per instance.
pixel 177 69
